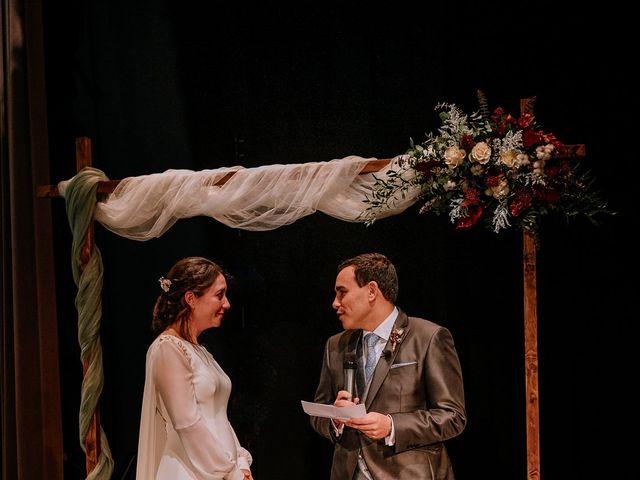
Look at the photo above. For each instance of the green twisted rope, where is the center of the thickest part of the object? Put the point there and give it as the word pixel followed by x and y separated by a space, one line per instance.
pixel 80 198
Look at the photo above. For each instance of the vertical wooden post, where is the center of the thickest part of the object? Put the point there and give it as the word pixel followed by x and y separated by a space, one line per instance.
pixel 92 440
pixel 531 339
pixel 531 355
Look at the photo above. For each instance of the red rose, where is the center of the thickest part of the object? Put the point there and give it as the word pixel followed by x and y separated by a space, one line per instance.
pixel 531 138
pixel 525 120
pixel 473 215
pixel 505 124
pixel 471 197
pixel 521 201
pixel 497 114
pixel 493 180
pixel 467 142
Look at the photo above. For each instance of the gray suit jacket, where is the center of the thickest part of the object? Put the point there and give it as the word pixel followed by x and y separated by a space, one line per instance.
pixel 419 385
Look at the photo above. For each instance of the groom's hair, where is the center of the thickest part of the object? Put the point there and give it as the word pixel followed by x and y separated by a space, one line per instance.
pixel 374 267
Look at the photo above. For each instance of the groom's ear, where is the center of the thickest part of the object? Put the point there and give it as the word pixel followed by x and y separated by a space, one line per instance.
pixel 373 290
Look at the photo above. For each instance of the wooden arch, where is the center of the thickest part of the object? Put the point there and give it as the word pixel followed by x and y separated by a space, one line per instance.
pixel 529 255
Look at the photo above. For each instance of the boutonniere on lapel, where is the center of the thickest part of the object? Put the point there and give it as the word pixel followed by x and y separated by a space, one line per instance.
pixel 395 338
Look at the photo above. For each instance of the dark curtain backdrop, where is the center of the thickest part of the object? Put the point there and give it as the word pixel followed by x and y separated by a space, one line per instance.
pixel 30 413
pixel 160 84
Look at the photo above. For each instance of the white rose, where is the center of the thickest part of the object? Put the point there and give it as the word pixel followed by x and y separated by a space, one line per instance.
pixel 454 156
pixel 481 153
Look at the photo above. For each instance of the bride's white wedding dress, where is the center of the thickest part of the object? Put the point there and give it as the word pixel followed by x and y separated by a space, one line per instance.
pixel 184 430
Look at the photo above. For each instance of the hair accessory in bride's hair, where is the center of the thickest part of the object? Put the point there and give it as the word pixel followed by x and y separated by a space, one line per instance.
pixel 165 284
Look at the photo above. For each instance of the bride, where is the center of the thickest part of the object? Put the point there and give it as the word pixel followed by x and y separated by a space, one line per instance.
pixel 184 430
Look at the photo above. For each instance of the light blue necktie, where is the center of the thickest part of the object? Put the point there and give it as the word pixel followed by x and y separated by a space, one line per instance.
pixel 370 339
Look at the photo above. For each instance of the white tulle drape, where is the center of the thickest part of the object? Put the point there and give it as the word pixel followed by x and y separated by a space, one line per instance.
pixel 261 198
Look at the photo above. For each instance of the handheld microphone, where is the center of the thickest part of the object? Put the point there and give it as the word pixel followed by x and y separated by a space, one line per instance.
pixel 350 366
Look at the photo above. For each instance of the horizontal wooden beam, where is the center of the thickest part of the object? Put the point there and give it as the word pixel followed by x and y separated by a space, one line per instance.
pixel 51 191
pixel 108 186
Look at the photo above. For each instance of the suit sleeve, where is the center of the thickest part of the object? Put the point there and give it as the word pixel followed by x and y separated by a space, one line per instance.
pixel 325 395
pixel 444 416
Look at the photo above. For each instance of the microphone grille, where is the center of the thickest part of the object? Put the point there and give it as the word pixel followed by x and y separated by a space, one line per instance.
pixel 350 360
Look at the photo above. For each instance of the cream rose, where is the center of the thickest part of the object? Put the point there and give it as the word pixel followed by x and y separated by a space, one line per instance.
pixel 454 156
pixel 509 158
pixel 481 153
pixel 499 191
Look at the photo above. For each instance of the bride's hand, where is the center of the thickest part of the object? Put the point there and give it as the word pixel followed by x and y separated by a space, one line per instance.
pixel 247 474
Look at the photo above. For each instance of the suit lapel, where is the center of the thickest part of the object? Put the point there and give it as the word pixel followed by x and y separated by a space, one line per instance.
pixel 352 342
pixel 385 362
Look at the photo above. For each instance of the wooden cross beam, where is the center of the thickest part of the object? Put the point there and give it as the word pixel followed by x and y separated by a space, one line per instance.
pixel 108 186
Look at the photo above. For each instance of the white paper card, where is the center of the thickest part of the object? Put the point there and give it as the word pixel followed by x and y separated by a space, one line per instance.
pixel 329 411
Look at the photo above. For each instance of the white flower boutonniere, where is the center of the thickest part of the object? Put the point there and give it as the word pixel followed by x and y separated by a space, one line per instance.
pixel 396 338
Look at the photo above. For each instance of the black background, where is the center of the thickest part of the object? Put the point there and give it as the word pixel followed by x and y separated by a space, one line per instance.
pixel 163 84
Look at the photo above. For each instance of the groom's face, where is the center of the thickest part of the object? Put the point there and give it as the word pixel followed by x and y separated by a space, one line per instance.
pixel 351 302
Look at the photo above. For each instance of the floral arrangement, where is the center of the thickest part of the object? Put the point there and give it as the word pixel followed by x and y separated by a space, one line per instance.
pixel 491 168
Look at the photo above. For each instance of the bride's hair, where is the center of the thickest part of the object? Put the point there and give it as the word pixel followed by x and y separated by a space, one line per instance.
pixel 194 274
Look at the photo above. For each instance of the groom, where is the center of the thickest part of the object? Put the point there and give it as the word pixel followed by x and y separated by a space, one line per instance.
pixel 408 377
